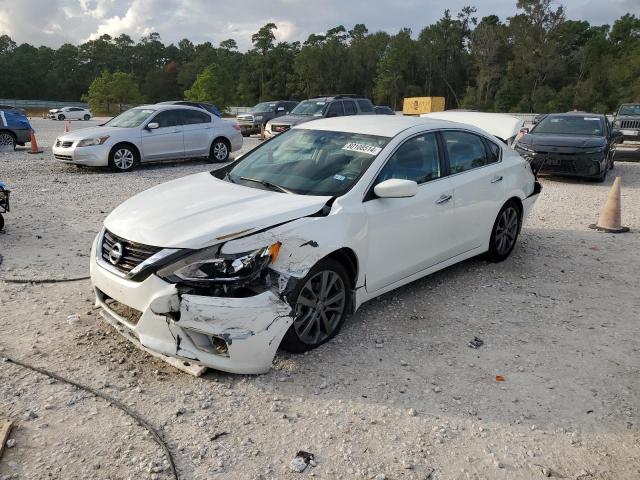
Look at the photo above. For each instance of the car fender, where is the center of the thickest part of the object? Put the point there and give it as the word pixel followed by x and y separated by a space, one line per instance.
pixel 306 241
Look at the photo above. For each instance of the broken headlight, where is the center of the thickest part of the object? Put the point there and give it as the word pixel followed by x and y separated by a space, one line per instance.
pixel 212 266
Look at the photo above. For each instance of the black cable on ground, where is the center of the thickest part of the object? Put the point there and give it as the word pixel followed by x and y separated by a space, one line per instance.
pixel 157 436
pixel 42 280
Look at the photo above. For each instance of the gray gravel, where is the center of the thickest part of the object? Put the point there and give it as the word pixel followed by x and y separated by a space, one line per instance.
pixel 397 395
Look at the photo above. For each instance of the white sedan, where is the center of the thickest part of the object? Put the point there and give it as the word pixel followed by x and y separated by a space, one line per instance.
pixel 279 247
pixel 70 113
pixel 150 133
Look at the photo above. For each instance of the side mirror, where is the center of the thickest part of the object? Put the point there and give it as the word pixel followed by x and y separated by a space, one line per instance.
pixel 396 188
pixel 524 131
pixel 153 125
pixel 280 109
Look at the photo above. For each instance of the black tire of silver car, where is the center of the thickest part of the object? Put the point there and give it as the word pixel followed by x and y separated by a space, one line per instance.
pixel 61 117
pixel 87 118
pixel 122 158
pixel 322 301
pixel 219 151
pixel 1 222
pixel 505 232
pixel 7 140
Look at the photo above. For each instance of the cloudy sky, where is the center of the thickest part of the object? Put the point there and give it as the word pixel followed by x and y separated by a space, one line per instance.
pixel 54 22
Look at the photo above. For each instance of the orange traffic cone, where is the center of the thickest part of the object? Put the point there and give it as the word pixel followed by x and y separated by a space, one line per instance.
pixel 262 132
pixel 34 143
pixel 66 126
pixel 610 217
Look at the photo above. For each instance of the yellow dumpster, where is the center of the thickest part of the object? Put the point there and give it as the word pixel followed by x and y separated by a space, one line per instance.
pixel 419 105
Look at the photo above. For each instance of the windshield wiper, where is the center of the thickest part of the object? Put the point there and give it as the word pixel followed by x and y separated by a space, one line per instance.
pixel 269 185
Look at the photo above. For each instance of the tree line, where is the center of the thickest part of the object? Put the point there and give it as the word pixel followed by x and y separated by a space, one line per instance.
pixel 535 61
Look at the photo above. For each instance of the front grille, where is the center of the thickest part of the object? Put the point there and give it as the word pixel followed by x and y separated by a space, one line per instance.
pixel 133 254
pixel 630 124
pixel 64 158
pixel 280 128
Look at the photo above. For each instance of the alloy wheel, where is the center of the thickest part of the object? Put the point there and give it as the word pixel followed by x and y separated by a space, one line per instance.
pixel 220 151
pixel 320 307
pixel 123 158
pixel 6 140
pixel 506 230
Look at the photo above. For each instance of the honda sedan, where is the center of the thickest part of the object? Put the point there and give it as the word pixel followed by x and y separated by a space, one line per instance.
pixel 150 133
pixel 279 247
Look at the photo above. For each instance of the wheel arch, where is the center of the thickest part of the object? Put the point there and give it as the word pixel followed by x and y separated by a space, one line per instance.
pixel 129 144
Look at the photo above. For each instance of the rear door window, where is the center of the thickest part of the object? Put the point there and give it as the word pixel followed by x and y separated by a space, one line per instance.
pixel 350 107
pixel 365 105
pixel 465 150
pixel 335 109
pixel 192 117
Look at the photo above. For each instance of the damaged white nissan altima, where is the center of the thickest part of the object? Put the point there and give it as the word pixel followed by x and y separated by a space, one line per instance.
pixel 278 247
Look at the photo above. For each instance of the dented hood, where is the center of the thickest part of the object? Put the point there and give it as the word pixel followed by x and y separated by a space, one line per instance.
pixel 200 210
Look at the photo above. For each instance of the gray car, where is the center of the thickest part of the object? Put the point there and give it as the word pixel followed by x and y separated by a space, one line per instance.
pixel 259 115
pixel 326 106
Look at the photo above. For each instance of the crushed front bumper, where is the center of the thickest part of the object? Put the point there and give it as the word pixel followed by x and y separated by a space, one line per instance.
pixel 237 335
pixel 566 165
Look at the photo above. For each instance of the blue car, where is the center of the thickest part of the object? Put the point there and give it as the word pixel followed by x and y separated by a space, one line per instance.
pixel 15 129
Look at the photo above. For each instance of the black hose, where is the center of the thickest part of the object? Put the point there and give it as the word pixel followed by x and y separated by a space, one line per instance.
pixel 42 280
pixel 157 436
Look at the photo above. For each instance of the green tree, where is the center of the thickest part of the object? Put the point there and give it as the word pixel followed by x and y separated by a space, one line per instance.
pixel 210 86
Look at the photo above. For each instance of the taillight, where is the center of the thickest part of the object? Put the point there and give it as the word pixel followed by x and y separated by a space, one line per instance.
pixel 236 126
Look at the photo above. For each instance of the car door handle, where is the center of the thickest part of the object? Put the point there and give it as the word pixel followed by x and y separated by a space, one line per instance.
pixel 496 179
pixel 444 199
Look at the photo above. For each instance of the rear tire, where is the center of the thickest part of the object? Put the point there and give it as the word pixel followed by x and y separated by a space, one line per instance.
pixel 219 151
pixel 87 118
pixel 321 302
pixel 505 232
pixel 123 158
pixel 1 225
pixel 7 140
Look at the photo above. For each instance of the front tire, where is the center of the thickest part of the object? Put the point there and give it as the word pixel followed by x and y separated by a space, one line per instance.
pixel 61 117
pixel 505 232
pixel 219 151
pixel 1 222
pixel 122 158
pixel 322 301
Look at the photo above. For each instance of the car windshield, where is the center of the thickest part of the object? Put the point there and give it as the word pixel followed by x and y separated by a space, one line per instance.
pixel 264 107
pixel 308 162
pixel 569 125
pixel 629 110
pixel 131 118
pixel 309 107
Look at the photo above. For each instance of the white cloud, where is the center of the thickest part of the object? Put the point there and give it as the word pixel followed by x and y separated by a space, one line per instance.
pixel 53 22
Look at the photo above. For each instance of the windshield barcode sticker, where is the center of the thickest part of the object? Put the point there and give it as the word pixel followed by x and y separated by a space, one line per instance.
pixel 362 148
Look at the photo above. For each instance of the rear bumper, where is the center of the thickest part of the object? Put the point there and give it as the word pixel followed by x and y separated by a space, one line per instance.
pixel 23 135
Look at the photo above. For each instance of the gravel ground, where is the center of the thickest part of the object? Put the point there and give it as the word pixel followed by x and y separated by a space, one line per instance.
pixel 397 395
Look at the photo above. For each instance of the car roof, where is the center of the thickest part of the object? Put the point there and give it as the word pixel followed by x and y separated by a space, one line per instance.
pixel 167 106
pixel 575 114
pixel 379 125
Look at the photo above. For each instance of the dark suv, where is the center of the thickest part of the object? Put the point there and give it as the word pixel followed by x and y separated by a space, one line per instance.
pixel 325 106
pixel 259 115
pixel 627 120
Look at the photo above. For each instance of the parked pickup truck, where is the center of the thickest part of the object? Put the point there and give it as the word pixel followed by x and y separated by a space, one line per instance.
pixel 627 120
pixel 261 114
